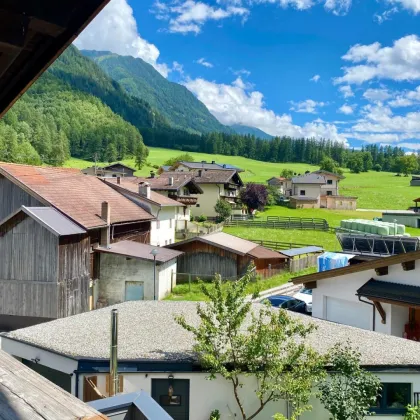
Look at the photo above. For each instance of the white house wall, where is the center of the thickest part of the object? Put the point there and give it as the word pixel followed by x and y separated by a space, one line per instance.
pixel 206 395
pixel 344 288
pixel 207 200
pixel 311 190
pixel 163 230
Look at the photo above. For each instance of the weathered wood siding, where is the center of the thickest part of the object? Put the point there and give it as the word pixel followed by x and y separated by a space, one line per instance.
pixel 204 259
pixel 73 275
pixel 13 197
pixel 28 252
pixel 28 270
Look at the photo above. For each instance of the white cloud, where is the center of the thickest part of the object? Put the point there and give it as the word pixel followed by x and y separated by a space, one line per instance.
pixel 377 95
pixel 190 15
pixel 399 62
pixel 240 72
pixel 204 63
pixel 177 67
pixel 315 78
pixel 406 98
pixel 381 18
pixel 346 91
pixel 412 5
pixel 338 7
pixel 115 30
pixel 231 104
pixel 346 109
pixel 308 106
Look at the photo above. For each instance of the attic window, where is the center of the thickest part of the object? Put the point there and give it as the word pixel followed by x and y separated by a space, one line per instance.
pixel 329 181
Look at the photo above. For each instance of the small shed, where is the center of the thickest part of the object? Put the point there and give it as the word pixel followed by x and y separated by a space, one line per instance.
pixel 226 255
pixel 415 181
pixel 127 272
pixel 302 258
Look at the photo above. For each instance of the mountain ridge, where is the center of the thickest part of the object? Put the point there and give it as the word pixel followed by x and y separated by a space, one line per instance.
pixel 253 131
pixel 172 100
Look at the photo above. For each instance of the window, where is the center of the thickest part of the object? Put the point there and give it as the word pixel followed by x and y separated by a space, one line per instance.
pixel 329 192
pixel 329 182
pixel 302 192
pixel 393 399
pixel 157 224
pixel 197 205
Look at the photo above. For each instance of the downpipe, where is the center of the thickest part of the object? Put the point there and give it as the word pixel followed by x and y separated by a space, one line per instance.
pixel 373 308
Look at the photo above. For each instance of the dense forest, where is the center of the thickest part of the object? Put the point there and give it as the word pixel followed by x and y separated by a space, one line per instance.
pixel 76 109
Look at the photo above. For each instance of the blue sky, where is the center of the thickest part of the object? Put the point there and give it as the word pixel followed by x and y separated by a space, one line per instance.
pixel 343 69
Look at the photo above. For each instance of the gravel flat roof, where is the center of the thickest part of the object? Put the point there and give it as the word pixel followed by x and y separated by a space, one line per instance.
pixel 148 331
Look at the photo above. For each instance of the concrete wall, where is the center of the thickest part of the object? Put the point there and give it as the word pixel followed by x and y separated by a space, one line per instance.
pixel 344 288
pixel 403 219
pixel 116 270
pixel 338 203
pixel 311 190
pixel 332 187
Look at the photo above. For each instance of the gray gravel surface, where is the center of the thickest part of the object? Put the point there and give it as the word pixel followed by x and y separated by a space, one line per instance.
pixel 148 331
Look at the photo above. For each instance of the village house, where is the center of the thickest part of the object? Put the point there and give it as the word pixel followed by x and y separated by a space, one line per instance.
pixel 409 217
pixel 415 181
pixel 215 184
pixel 319 189
pixel 156 355
pixel 71 215
pixel 226 255
pixel 110 171
pixel 381 294
pixel 170 214
pixel 279 182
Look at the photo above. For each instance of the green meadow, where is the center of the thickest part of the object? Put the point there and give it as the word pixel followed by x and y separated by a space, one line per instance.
pixel 375 190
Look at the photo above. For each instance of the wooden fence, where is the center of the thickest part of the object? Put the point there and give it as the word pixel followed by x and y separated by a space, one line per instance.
pixel 278 246
pixel 302 263
pixel 277 222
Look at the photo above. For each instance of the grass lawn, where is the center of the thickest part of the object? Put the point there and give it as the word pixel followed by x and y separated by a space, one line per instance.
pixel 311 237
pixel 183 292
pixel 375 190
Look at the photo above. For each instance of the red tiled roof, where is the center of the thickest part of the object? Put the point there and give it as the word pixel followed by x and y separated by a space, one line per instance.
pixel 132 184
pixel 76 195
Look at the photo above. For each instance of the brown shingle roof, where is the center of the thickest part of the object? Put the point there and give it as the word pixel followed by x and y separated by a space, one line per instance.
pixel 131 184
pixel 260 252
pixel 180 179
pixel 76 195
pixel 213 176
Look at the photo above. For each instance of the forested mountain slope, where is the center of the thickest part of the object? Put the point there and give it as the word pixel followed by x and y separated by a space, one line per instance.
pixel 182 109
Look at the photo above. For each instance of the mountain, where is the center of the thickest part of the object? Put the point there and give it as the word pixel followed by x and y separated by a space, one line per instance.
pixel 253 131
pixel 174 101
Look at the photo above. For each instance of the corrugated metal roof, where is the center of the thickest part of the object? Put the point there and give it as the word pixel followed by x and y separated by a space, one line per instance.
pixel 53 220
pixel 300 251
pixel 140 251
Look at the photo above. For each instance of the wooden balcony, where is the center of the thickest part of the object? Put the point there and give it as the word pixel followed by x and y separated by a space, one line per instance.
pixel 188 200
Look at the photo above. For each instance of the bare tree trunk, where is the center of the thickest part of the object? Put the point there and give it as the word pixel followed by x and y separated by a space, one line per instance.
pixel 235 392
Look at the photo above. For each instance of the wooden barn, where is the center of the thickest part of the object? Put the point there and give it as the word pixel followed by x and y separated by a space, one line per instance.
pixel 226 255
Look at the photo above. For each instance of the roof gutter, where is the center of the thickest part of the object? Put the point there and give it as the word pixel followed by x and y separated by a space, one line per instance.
pixel 373 308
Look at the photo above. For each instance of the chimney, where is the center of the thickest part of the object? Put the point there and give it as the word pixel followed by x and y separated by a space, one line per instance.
pixel 144 189
pixel 213 162
pixel 171 180
pixel 199 172
pixel 105 232
pixel 152 174
pixel 113 359
pixel 203 161
pixel 118 180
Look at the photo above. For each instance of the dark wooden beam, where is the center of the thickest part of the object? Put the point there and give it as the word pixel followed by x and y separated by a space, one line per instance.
pixel 408 265
pixel 381 310
pixel 381 271
pixel 13 30
pixel 311 285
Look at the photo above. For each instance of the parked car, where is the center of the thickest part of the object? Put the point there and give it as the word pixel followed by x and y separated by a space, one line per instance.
pixel 287 302
pixel 306 296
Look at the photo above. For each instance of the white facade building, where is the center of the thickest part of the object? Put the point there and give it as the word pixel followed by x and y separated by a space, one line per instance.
pixel 156 353
pixel 381 295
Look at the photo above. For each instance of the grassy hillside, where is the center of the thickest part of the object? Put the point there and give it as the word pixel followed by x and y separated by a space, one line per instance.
pixel 376 190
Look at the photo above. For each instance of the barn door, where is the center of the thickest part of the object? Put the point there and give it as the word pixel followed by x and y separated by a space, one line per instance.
pixel 134 290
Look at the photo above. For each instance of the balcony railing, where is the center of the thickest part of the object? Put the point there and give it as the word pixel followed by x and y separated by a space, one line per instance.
pixel 188 200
